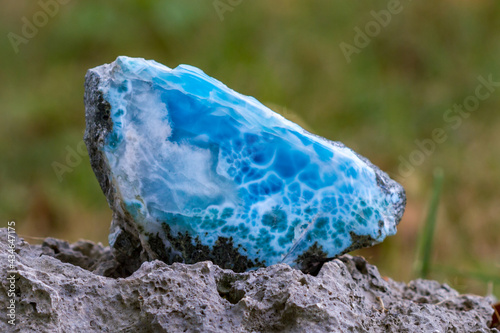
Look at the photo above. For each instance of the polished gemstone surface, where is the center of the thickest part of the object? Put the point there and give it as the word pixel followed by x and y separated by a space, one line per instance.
pixel 206 173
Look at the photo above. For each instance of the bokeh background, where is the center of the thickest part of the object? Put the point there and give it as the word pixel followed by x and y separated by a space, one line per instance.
pixel 393 91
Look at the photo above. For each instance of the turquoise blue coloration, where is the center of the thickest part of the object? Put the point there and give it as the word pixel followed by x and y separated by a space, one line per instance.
pixel 186 151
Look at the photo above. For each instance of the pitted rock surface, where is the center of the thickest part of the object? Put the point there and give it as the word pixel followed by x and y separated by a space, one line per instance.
pixel 348 295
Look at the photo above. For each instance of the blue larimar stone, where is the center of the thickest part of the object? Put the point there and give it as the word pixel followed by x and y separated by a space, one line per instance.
pixel 196 171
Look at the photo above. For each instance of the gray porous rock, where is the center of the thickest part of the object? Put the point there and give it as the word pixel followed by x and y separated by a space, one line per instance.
pixel 61 288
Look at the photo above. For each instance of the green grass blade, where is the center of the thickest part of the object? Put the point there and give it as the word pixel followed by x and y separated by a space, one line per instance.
pixel 427 235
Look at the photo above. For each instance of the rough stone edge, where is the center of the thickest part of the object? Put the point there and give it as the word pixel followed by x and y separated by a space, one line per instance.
pixel 127 247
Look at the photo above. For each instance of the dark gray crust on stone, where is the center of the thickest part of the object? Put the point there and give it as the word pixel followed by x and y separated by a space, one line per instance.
pixel 97 126
pixel 127 245
pixel 183 248
pixel 348 295
pixel 359 242
pixel 311 261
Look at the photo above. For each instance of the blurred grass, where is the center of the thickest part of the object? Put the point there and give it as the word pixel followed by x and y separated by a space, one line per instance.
pixel 287 53
pixel 426 238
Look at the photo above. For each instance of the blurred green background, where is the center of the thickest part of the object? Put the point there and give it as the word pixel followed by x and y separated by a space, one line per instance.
pixel 287 54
